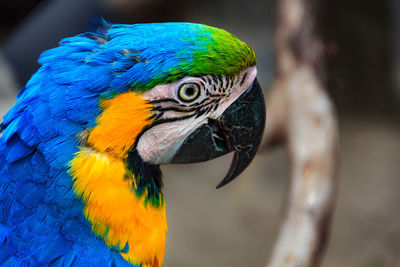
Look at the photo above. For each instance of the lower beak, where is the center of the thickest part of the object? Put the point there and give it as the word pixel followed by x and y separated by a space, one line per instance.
pixel 239 129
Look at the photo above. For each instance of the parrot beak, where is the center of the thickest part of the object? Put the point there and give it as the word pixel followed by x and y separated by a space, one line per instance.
pixel 239 129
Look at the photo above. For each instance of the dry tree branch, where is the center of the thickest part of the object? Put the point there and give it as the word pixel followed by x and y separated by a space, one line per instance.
pixel 301 114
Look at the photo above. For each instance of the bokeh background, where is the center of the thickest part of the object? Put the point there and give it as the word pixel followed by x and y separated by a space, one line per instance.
pixel 237 225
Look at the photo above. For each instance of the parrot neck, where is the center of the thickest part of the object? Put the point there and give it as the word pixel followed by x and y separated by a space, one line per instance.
pixel 122 194
pixel 123 201
pixel 146 179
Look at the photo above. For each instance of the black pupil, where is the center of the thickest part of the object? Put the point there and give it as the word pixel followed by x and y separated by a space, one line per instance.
pixel 190 90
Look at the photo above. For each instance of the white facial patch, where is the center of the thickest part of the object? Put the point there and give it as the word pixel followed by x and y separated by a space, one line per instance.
pixel 179 119
pixel 159 144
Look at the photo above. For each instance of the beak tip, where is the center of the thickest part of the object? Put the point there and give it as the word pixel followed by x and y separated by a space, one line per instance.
pixel 221 184
pixel 225 181
pixel 233 171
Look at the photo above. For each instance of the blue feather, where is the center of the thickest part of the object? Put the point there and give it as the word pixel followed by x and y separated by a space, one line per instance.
pixel 11 129
pixel 17 149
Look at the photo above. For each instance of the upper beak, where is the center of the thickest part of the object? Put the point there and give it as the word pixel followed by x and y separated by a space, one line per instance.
pixel 239 129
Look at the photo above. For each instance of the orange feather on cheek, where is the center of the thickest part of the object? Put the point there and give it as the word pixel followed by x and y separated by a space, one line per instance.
pixel 123 118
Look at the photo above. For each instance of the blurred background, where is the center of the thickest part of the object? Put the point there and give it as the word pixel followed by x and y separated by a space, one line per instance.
pixel 237 225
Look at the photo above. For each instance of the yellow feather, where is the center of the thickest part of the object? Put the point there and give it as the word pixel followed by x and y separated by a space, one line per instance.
pixel 116 213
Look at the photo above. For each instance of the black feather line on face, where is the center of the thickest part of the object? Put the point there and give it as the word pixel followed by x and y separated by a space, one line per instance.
pixel 177 109
pixel 214 87
pixel 231 82
pixel 243 78
pixel 200 103
pixel 221 80
pixel 217 95
pixel 164 100
pixel 160 121
pixel 215 79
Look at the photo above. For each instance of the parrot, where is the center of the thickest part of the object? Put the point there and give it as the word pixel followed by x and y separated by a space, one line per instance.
pixel 81 149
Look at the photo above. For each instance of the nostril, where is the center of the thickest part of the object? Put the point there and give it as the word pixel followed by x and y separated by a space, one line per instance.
pixel 218 135
pixel 213 124
pixel 215 127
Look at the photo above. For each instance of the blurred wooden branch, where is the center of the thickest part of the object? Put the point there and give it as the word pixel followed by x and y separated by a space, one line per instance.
pixel 301 114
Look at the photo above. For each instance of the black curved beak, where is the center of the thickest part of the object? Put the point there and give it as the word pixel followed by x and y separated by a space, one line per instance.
pixel 239 129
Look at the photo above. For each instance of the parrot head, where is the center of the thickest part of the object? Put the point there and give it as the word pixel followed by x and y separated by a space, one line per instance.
pixel 201 93
pixel 108 107
pixel 200 118
pixel 169 93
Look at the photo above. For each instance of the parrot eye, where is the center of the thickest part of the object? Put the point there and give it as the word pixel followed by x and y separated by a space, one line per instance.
pixel 189 92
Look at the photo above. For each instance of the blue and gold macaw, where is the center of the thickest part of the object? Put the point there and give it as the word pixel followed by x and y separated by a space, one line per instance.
pixel 80 183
